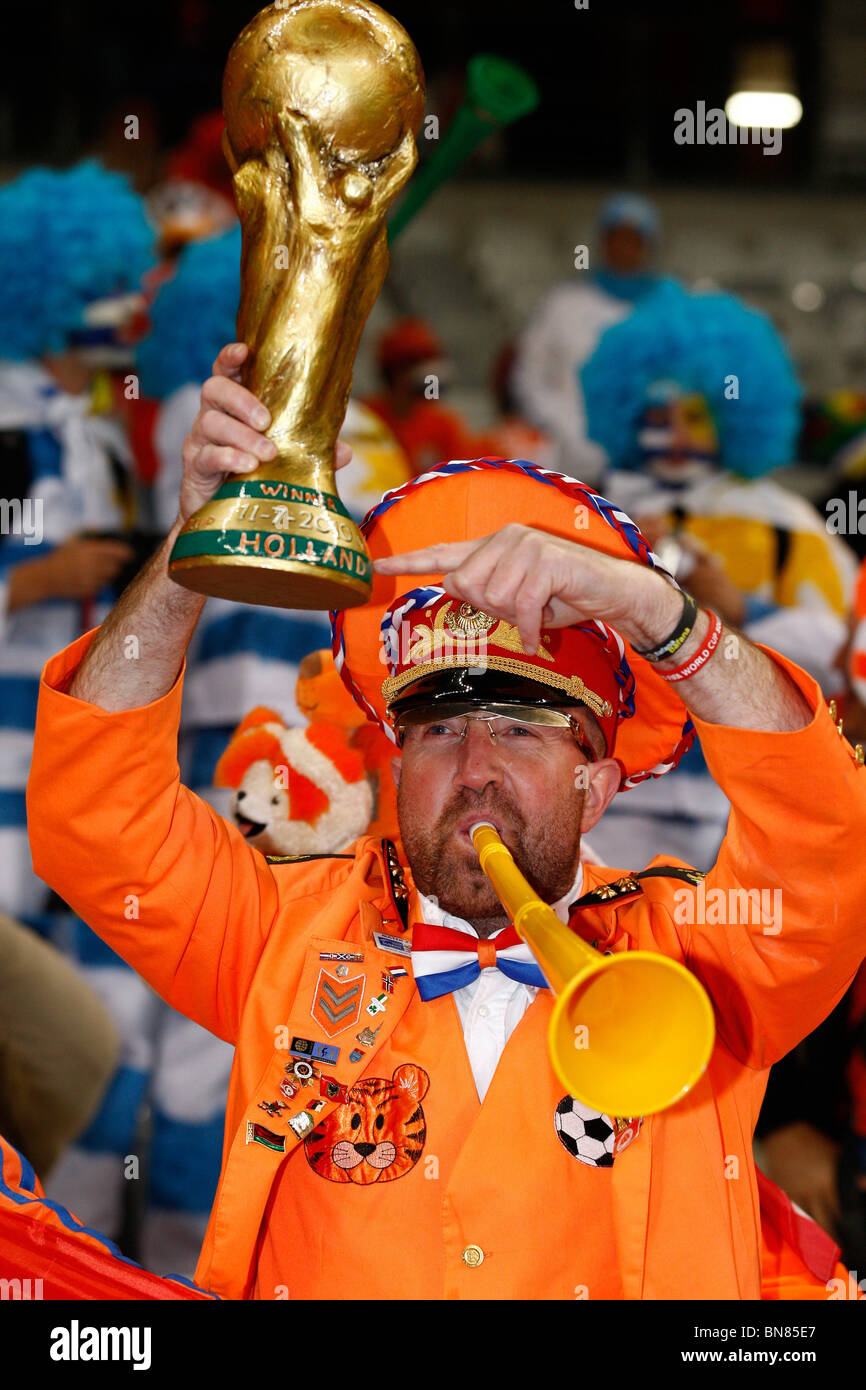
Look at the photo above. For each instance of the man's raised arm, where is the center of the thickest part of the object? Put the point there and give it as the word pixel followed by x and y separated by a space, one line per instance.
pixel 169 884
pixel 225 438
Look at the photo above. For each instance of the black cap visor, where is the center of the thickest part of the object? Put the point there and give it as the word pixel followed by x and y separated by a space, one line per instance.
pixel 472 688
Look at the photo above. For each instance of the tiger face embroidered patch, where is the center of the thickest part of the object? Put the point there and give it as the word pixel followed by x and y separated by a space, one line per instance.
pixel 378 1133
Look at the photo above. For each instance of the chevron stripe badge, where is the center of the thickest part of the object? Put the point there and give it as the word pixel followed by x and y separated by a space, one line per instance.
pixel 337 1003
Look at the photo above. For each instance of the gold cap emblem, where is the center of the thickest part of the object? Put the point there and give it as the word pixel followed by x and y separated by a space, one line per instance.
pixel 468 621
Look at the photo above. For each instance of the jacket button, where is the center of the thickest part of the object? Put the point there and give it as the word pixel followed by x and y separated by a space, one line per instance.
pixel 472 1256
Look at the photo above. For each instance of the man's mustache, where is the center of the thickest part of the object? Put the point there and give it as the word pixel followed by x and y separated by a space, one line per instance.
pixel 502 810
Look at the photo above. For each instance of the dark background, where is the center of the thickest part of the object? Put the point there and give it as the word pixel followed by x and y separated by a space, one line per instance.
pixel 611 77
pixel 499 234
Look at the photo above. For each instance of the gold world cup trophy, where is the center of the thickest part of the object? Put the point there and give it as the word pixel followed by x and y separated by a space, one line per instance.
pixel 322 99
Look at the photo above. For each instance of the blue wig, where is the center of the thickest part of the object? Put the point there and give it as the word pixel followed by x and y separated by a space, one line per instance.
pixel 711 344
pixel 66 239
pixel 193 316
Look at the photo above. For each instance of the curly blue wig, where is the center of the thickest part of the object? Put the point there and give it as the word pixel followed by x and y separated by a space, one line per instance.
pixel 67 238
pixel 711 344
pixel 193 316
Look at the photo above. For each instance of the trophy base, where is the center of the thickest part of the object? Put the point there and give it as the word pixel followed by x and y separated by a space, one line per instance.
pixel 273 583
pixel 277 543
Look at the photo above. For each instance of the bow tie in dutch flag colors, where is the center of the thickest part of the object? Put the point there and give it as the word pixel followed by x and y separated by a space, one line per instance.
pixel 444 959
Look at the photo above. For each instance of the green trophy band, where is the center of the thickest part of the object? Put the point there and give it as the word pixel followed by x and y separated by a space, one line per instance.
pixel 286 528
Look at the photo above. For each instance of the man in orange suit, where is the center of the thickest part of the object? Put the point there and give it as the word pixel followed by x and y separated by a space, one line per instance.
pixel 391 1071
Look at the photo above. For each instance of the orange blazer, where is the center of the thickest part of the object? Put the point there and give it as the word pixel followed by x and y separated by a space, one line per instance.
pixel 459 1199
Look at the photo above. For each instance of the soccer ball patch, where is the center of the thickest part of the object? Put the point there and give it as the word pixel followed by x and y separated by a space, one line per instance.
pixel 590 1137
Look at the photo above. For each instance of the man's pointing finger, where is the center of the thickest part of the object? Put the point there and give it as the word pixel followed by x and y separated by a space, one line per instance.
pixel 435 559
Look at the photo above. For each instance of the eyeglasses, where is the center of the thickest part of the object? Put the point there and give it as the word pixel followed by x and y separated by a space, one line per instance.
pixel 523 738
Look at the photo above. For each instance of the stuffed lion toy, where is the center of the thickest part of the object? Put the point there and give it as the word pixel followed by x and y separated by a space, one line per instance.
pixel 310 789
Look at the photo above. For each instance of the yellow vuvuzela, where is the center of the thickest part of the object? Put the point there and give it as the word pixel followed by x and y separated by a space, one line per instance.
pixel 322 99
pixel 630 1032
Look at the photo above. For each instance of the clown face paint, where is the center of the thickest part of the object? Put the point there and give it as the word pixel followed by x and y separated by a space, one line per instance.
pixel 677 437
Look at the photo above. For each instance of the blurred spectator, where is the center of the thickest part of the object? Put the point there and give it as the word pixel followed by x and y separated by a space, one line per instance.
pixel 511 436
pixel 566 326
pixel 200 159
pixel 414 371
pixel 694 399
pixel 73 249
pixel 58 1047
pixel 834 435
pixel 378 461
pixel 195 200
pixel 853 663
pixel 812 1127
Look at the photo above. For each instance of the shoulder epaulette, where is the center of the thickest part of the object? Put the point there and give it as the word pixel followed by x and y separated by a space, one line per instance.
pixel 302 858
pixel 396 882
pixel 630 883
pixel 399 891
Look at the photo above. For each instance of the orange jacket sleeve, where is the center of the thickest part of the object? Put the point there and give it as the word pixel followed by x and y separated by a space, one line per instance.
pixel 167 882
pixel 776 963
pixel 50 1252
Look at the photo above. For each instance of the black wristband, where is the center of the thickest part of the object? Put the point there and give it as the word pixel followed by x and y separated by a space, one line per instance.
pixel 672 644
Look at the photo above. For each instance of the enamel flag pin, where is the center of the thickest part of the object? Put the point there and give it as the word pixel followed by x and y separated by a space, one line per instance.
pixel 258 1134
pixel 333 1090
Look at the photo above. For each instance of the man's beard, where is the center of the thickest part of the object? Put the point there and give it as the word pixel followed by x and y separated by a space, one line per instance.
pixel 446 868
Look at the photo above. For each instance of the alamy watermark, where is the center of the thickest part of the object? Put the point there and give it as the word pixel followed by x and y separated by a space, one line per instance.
pixel 409 646
pixel 846 516
pixel 722 907
pixel 24 1289
pixel 712 127
pixel 19 518
pixel 77 1343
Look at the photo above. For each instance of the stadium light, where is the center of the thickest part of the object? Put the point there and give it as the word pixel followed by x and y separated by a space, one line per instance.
pixel 765 93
